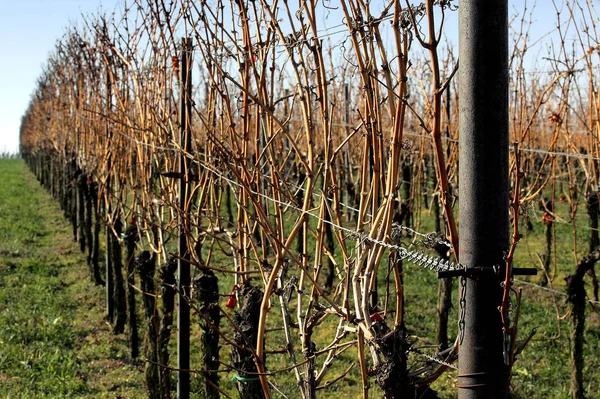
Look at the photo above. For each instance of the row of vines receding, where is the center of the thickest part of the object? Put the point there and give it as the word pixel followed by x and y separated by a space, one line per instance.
pixel 320 183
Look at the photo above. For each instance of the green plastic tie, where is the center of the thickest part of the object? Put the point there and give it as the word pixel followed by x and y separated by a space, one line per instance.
pixel 244 379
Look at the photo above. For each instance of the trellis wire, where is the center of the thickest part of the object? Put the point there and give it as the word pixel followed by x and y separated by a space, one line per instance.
pixel 433 358
pixel 551 290
pixel 418 258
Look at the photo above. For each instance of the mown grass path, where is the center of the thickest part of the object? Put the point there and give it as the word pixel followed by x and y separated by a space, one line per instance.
pixel 54 341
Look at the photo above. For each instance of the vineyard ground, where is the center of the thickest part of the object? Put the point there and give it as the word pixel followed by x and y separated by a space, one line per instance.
pixel 56 343
pixel 54 340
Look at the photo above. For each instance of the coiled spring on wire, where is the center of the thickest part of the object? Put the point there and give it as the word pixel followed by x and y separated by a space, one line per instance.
pixel 430 262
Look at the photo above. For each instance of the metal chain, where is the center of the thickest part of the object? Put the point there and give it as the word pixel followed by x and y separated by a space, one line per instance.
pixel 506 342
pixel 506 337
pixel 463 308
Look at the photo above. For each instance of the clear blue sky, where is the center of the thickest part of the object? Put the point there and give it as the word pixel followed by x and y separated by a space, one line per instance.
pixel 29 30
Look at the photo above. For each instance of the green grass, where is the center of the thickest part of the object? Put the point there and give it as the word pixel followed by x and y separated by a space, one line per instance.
pixel 53 338
pixel 55 342
pixel 541 371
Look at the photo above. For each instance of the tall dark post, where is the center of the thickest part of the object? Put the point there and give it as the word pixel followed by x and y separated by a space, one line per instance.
pixel 110 304
pixel 483 194
pixel 183 265
pixel 347 167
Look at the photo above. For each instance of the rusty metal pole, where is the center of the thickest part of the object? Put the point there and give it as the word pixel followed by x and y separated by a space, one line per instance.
pixel 183 264
pixel 483 194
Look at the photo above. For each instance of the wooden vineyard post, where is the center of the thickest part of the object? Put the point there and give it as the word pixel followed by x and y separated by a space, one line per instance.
pixel 183 264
